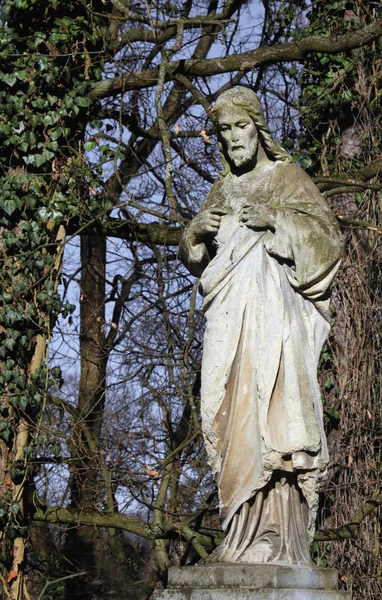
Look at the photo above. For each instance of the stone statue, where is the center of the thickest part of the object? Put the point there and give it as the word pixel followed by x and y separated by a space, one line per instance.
pixel 266 247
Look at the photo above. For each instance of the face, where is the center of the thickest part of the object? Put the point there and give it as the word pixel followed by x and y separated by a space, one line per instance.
pixel 239 135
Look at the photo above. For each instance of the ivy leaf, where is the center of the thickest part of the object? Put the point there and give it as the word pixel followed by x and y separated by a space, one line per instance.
pixel 10 79
pixel 90 145
pixel 306 162
pixel 50 119
pixel 21 75
pixel 10 206
pixel 30 159
pixel 13 317
pixel 83 101
pixel 14 509
pixel 10 344
pixel 5 431
pixel 56 133
pixel 52 99
pixel 39 160
pixel 39 103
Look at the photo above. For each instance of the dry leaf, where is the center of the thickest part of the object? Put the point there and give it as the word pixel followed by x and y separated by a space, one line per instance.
pixel 12 575
pixel 152 472
pixel 205 137
pixel 350 460
pixel 177 128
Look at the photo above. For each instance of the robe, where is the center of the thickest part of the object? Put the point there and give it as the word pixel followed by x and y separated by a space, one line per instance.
pixel 266 303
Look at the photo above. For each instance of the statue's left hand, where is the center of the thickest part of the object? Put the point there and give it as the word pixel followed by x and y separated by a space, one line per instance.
pixel 261 216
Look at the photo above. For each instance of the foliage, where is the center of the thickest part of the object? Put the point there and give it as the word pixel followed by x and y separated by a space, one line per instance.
pixel 104 470
pixel 343 136
pixel 44 107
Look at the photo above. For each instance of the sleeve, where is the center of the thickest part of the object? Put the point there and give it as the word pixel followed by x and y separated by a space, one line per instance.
pixel 196 257
pixel 307 237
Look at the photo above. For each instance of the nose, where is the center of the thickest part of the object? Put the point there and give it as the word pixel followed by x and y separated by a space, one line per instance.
pixel 235 134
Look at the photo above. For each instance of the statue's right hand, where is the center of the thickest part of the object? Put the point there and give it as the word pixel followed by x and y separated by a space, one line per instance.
pixel 207 222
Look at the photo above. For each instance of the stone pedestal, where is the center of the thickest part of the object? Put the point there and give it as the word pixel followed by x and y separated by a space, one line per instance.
pixel 224 581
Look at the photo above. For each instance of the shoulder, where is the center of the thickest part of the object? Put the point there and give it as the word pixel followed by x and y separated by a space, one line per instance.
pixel 289 170
pixel 293 180
pixel 295 189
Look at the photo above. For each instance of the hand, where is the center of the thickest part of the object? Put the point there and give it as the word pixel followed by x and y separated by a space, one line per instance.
pixel 207 222
pixel 261 216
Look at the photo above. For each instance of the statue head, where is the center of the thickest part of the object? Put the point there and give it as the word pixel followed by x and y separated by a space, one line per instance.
pixel 241 148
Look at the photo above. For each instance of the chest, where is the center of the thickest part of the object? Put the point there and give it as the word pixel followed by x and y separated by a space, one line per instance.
pixel 236 192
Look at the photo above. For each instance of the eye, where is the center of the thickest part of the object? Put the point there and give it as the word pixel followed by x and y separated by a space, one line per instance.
pixel 242 125
pixel 224 127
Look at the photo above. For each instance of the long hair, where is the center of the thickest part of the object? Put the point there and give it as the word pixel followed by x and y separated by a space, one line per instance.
pixel 247 99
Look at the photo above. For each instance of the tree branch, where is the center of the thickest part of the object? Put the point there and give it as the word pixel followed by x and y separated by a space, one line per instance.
pixel 168 31
pixel 350 530
pixel 135 525
pixel 348 221
pixel 66 516
pixel 152 233
pixel 247 61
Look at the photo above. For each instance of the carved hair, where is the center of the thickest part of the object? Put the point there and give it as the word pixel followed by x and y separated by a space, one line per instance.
pixel 247 99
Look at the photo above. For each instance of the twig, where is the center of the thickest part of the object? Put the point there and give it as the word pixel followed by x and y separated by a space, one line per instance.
pixel 5 587
pixel 350 530
pixel 166 55
pixel 48 583
pixel 363 224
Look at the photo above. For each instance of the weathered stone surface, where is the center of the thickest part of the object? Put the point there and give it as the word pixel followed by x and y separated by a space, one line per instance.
pixel 251 582
pixel 223 575
pixel 266 247
pixel 250 594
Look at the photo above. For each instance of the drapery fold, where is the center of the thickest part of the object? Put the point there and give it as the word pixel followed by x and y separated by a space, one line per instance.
pixel 266 302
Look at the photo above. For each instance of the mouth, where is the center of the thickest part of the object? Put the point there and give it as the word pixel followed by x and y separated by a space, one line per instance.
pixel 235 148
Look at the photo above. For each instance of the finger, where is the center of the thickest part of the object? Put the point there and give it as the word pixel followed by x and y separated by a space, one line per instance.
pixel 214 223
pixel 212 229
pixel 218 211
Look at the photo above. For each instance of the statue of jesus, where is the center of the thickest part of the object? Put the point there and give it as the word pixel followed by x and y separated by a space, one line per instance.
pixel 266 247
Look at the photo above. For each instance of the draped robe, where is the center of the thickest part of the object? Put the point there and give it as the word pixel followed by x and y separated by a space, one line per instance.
pixel 266 303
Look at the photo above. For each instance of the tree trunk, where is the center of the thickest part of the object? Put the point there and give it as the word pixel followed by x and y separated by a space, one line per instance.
pixel 85 488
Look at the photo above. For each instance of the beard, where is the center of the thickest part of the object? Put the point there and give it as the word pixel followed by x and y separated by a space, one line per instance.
pixel 239 155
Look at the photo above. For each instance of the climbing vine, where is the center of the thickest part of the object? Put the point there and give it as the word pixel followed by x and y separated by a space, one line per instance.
pixel 48 52
pixel 340 106
pixel 75 94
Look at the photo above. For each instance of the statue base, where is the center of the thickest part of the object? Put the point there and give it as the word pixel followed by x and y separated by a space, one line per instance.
pixel 239 581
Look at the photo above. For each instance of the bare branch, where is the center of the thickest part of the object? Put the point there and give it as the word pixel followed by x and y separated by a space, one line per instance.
pixel 247 61
pixel 359 224
pixel 350 530
pixel 151 233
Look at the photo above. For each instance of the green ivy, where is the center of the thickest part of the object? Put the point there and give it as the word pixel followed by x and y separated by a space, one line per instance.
pixel 45 74
pixel 329 94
